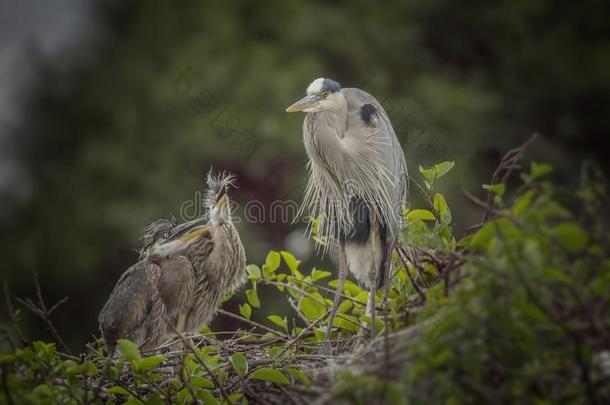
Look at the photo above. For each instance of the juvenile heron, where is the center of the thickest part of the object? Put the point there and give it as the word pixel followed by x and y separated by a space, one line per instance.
pixel 158 287
pixel 218 256
pixel 357 183
pixel 183 273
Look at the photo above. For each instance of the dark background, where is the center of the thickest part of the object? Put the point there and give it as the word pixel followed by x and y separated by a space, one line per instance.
pixel 112 112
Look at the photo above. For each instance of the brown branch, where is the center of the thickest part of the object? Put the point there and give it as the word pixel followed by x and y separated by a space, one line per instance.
pixel 303 332
pixel 11 310
pixel 189 345
pixel 41 310
pixel 253 323
pixel 403 259
pixel 508 163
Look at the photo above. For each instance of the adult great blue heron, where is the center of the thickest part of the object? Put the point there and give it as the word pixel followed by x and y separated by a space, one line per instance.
pixel 183 273
pixel 357 181
pixel 158 287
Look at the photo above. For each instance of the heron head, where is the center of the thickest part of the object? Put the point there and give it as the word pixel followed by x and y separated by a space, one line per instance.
pixel 322 95
pixel 165 238
pixel 217 199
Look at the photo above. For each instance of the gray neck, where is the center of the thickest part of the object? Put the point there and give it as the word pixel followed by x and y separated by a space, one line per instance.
pixel 323 133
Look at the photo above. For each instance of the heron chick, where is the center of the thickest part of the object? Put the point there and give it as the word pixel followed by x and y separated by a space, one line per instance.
pixel 183 273
pixel 156 289
pixel 218 256
pixel 357 183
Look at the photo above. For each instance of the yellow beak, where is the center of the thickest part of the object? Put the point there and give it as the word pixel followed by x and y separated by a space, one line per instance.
pixel 192 235
pixel 304 103
pixel 223 201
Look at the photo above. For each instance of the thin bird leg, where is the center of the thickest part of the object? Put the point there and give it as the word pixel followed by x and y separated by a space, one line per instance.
pixel 342 276
pixel 370 306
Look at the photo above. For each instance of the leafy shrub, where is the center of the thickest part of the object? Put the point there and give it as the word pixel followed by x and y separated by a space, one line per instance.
pixel 515 311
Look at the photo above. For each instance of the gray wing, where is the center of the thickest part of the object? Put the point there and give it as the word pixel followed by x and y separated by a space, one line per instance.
pixel 365 110
pixel 176 285
pixel 132 303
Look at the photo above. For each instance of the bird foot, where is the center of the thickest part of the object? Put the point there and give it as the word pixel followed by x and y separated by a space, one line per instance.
pixel 327 348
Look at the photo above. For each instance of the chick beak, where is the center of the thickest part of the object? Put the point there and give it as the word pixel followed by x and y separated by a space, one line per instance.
pixel 224 200
pixel 194 234
pixel 308 101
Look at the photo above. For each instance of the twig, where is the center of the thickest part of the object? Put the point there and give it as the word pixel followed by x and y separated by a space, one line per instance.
pixel 423 192
pixel 504 170
pixel 403 258
pixel 189 345
pixel 11 310
pixel 44 313
pixel 317 300
pixel 298 311
pixel 330 290
pixel 253 323
pixel 303 332
pixel 289 395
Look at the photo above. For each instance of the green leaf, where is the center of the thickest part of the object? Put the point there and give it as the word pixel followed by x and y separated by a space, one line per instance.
pixel 118 390
pixel 269 374
pixel 349 288
pixel 571 236
pixel 443 168
pixel 291 261
pixel 272 263
pixel 540 169
pixel 129 349
pixel 254 272
pixel 483 235
pixel 252 297
pixel 240 364
pixel 279 321
pixel 150 363
pixel 236 397
pixel 319 274
pixel 347 322
pixel 320 333
pixel 198 381
pixel 429 174
pixel 440 204
pixel 522 203
pixel 7 358
pixel 436 172
pixel 497 189
pixel 299 375
pixel 88 368
pixel 345 306
pixel 207 397
pixel 362 297
pixel 311 309
pixel 245 310
pixel 424 215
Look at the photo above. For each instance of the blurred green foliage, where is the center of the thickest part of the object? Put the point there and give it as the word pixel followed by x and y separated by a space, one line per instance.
pixel 121 130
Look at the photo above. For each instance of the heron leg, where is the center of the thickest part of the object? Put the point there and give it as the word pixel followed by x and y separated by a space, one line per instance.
pixel 370 307
pixel 342 276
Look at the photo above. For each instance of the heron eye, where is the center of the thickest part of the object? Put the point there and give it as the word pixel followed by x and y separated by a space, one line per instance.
pixel 326 94
pixel 166 235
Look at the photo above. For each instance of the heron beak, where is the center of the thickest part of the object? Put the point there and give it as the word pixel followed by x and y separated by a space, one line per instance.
pixel 306 102
pixel 192 235
pixel 222 201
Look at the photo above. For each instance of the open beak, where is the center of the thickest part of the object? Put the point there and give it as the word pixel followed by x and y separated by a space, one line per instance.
pixel 306 102
pixel 222 201
pixel 190 230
